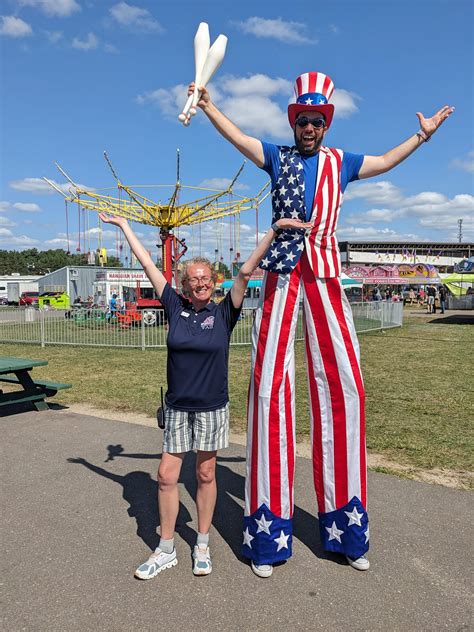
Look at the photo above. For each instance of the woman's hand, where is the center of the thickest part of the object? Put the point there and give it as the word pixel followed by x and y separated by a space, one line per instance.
pixel 113 219
pixel 287 223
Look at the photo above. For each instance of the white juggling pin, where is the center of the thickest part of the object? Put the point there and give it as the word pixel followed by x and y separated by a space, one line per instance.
pixel 202 42
pixel 214 59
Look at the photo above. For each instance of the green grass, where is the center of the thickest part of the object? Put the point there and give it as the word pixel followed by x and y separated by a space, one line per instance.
pixel 418 381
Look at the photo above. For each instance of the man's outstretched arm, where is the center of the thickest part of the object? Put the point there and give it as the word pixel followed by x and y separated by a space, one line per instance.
pixel 250 147
pixel 375 165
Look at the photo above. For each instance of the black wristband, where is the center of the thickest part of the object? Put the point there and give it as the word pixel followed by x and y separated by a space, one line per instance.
pixel 275 228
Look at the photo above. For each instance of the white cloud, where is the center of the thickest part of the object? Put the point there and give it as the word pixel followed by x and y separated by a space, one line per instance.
pixel 54 8
pixel 54 36
pixel 374 215
pixel 255 85
pixel 91 42
pixel 14 27
pixel 344 103
pixel 135 18
pixel 111 49
pixel 252 102
pixel 5 221
pixel 382 192
pixel 369 232
pixel 334 29
pixel 287 32
pixel 4 206
pixel 466 164
pixel 9 240
pixel 38 185
pixel 222 184
pixel 26 207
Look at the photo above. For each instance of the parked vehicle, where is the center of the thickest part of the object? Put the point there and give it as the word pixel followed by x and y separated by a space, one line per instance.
pixel 53 300
pixel 29 298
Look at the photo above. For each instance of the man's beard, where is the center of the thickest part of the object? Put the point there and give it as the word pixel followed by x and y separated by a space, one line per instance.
pixel 304 152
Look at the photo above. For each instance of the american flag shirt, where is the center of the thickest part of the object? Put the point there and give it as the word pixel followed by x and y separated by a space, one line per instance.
pixel 288 201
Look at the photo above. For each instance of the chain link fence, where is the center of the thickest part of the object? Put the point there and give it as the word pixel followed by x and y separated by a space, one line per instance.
pixel 148 329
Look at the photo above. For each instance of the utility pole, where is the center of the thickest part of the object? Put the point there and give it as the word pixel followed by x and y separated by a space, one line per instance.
pixel 459 231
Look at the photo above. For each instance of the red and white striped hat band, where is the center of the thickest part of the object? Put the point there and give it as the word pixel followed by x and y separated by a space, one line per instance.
pixel 312 91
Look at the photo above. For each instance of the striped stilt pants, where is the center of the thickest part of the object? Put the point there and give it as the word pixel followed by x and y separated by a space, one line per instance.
pixel 336 412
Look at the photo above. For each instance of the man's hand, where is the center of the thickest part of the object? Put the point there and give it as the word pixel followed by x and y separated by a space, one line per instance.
pixel 204 98
pixel 286 223
pixel 113 219
pixel 430 125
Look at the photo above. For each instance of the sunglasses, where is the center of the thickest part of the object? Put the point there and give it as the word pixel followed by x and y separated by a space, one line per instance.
pixel 318 123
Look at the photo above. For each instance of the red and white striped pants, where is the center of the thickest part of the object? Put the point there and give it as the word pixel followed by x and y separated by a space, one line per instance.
pixel 336 395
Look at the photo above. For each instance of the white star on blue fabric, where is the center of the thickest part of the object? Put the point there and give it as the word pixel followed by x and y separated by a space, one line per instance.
pixel 263 525
pixel 334 532
pixel 294 214
pixel 285 168
pixel 290 256
pixel 309 101
pixel 354 517
pixel 283 190
pixel 300 246
pixel 279 265
pixel 287 202
pixel 284 244
pixel 299 166
pixel 265 262
pixel 291 179
pixel 248 538
pixel 274 252
pixel 367 535
pixel 282 541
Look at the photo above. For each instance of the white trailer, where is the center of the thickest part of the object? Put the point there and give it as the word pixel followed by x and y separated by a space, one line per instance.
pixel 16 288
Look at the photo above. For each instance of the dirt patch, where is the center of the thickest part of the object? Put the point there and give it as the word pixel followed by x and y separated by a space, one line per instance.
pixel 447 478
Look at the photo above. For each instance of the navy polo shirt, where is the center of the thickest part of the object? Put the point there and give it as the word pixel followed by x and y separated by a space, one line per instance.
pixel 198 351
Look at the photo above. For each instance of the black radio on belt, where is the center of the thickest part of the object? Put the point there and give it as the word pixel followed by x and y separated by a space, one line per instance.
pixel 160 413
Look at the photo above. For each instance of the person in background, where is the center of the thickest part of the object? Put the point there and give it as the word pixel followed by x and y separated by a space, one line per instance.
pixel 113 306
pixel 197 400
pixel 443 295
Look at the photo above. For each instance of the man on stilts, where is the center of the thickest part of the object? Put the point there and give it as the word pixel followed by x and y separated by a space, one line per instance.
pixel 308 183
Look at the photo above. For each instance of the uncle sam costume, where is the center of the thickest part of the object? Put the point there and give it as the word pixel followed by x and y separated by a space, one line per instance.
pixel 306 266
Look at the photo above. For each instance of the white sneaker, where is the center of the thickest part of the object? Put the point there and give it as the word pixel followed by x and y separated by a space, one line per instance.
pixel 361 563
pixel 262 570
pixel 202 560
pixel 157 562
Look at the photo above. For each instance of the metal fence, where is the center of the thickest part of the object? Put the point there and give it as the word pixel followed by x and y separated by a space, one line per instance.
pixel 94 327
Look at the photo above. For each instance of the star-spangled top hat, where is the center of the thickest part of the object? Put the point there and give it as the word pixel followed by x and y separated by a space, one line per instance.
pixel 313 91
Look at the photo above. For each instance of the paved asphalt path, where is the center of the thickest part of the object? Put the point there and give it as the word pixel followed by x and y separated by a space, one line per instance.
pixel 74 532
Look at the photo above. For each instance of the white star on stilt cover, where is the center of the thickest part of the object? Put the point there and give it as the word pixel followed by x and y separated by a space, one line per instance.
pixel 334 532
pixel 248 538
pixel 263 525
pixel 354 517
pixel 282 541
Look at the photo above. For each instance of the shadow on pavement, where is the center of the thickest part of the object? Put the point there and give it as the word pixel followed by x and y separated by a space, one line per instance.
pixel 140 492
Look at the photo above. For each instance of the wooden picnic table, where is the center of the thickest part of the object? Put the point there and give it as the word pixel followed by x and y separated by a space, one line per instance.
pixel 18 371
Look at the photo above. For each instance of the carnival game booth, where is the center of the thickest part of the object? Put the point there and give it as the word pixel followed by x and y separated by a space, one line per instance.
pixel 397 277
pixel 461 285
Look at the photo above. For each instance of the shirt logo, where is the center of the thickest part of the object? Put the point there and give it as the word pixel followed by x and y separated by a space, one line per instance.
pixel 208 323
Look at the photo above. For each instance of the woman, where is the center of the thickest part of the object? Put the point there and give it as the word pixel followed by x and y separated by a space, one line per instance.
pixel 197 401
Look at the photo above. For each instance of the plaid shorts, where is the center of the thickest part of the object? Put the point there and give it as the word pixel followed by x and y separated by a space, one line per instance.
pixel 201 430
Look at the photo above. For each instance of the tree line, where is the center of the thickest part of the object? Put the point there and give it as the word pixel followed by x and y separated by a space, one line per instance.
pixel 33 261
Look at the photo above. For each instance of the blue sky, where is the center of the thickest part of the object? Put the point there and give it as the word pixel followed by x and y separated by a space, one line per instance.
pixel 81 76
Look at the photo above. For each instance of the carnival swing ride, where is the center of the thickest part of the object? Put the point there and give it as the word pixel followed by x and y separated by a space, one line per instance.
pixel 131 203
